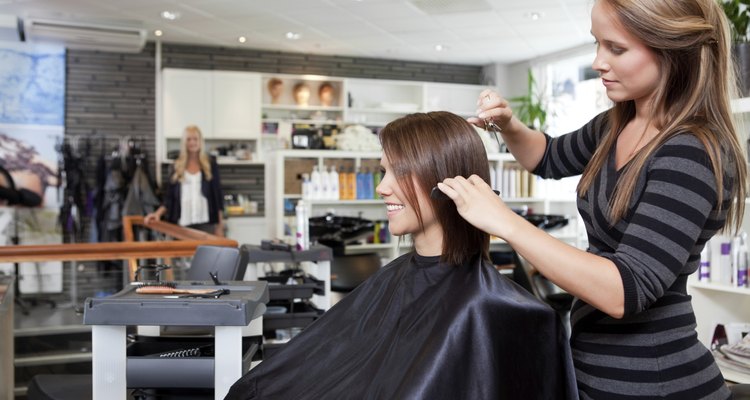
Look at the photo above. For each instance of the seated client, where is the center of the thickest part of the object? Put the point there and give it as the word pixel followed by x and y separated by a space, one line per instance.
pixel 439 322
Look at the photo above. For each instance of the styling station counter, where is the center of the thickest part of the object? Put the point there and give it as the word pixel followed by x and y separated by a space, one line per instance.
pixel 234 309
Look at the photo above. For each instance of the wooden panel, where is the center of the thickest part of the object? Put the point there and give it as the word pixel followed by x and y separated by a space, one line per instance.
pixel 293 170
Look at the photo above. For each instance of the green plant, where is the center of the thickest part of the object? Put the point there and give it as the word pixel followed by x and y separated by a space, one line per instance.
pixel 738 14
pixel 529 108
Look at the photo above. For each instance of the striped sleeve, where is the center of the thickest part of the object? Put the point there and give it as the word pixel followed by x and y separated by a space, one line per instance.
pixel 568 155
pixel 673 209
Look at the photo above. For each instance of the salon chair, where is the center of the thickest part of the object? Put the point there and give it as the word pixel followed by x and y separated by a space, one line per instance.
pixel 528 277
pixel 226 263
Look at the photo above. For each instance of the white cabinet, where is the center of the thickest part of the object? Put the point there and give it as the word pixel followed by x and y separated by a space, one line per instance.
pixel 375 102
pixel 224 104
pixel 456 98
pixel 186 101
pixel 236 96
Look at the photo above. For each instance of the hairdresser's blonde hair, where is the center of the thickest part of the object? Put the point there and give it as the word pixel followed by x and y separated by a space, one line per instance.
pixel 691 42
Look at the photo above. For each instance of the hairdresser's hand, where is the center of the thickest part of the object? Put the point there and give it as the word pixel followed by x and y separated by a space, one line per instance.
pixel 478 204
pixel 491 105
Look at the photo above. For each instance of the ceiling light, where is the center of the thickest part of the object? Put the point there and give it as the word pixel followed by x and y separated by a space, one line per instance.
pixel 534 15
pixel 440 47
pixel 293 35
pixel 170 15
pixel 158 33
pixel 242 39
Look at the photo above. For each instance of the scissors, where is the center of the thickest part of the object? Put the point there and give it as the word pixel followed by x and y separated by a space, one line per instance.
pixel 491 126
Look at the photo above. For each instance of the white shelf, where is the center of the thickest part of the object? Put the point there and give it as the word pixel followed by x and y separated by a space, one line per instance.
pixel 358 202
pixel 368 248
pixel 383 110
pixel 330 154
pixel 741 105
pixel 500 157
pixel 720 288
pixel 304 121
pixel 523 200
pixel 300 108
pixel 734 376
pixel 226 162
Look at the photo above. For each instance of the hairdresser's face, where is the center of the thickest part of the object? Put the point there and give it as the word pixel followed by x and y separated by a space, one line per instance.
pixel 192 142
pixel 402 216
pixel 629 70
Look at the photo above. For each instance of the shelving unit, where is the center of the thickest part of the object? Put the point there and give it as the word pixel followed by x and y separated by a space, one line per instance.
pixel 715 303
pixel 285 186
pixel 541 203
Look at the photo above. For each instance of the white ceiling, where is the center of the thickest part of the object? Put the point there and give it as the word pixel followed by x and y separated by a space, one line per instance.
pixel 475 32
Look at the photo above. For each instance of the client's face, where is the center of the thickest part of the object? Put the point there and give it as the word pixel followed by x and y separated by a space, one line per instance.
pixel 402 216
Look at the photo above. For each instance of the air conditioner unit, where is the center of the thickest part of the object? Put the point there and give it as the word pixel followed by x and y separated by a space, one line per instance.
pixel 85 36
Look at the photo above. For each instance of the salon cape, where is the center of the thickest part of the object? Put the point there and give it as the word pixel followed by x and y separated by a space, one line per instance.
pixel 421 329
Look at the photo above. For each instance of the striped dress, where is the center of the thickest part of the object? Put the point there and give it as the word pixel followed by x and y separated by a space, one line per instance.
pixel 652 352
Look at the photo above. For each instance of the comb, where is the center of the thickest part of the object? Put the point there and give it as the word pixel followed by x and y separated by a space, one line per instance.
pixel 437 194
pixel 155 289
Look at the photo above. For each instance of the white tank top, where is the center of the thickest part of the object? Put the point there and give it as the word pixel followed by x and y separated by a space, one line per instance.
pixel 194 206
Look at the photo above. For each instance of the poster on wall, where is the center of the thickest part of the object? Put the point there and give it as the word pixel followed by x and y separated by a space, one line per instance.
pixel 32 114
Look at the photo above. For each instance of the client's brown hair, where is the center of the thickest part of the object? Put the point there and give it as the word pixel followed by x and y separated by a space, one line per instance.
pixel 431 147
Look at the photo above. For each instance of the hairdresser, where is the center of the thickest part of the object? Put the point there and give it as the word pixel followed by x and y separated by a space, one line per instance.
pixel 661 172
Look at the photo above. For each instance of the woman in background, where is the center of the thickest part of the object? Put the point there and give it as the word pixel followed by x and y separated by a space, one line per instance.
pixel 193 196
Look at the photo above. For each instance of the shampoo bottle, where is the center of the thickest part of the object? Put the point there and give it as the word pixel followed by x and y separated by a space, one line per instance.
pixel 333 183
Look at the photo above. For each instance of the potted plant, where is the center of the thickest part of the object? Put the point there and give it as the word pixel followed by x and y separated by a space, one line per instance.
pixel 738 15
pixel 530 108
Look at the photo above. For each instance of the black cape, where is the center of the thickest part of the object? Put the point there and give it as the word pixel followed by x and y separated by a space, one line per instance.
pixel 420 329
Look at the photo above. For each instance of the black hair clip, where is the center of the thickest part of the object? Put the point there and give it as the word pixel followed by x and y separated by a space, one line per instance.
pixel 438 194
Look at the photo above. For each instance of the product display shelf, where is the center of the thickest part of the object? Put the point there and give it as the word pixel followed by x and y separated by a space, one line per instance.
pixel 540 203
pixel 282 177
pixel 719 304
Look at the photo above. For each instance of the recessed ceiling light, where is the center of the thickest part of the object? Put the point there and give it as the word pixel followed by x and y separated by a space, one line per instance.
pixel 293 35
pixel 170 15
pixel 440 47
pixel 242 39
pixel 534 15
pixel 158 33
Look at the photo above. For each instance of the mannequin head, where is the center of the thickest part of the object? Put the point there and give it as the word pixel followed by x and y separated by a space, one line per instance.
pixel 275 88
pixel 301 94
pixel 325 94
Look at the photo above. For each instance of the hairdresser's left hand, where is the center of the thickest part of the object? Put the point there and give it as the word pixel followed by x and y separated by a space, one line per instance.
pixel 478 204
